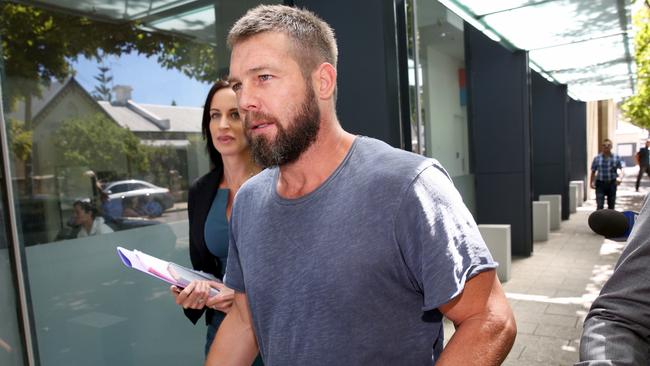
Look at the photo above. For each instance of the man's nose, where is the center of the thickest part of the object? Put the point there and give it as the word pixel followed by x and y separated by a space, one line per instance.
pixel 248 99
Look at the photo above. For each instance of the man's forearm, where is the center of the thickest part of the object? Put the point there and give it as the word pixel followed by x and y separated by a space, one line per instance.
pixel 485 325
pixel 480 341
pixel 235 343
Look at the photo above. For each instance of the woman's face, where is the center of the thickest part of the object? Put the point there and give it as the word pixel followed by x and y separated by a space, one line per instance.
pixel 80 216
pixel 226 128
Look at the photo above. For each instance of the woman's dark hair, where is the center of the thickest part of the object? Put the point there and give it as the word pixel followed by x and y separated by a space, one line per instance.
pixel 215 157
pixel 87 206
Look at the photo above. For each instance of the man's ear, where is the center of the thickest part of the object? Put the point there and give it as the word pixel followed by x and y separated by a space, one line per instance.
pixel 324 78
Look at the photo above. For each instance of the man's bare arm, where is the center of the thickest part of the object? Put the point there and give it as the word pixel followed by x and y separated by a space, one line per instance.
pixel 592 181
pixel 485 325
pixel 235 343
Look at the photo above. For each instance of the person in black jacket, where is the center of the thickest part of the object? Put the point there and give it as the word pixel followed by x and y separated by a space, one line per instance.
pixel 209 203
pixel 643 159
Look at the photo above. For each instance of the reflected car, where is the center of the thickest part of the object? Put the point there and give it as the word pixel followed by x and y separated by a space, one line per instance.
pixel 133 188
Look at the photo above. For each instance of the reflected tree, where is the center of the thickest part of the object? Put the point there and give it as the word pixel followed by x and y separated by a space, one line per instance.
pixel 21 139
pixel 103 89
pixel 636 107
pixel 162 161
pixel 99 144
pixel 38 46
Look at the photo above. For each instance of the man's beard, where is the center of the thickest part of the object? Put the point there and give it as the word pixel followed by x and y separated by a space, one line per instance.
pixel 289 143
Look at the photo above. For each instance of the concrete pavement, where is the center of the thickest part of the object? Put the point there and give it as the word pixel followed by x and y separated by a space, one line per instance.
pixel 551 291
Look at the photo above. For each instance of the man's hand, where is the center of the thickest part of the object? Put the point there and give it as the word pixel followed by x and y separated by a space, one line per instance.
pixel 485 325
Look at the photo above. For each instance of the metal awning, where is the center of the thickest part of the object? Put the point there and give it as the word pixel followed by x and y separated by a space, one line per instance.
pixel 586 44
pixel 194 19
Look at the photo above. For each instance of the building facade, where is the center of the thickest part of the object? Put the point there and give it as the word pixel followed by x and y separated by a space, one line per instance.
pixel 411 73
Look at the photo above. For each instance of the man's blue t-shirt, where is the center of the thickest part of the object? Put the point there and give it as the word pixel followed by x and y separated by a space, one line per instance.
pixel 352 273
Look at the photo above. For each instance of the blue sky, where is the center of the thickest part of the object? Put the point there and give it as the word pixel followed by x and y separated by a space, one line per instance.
pixel 151 83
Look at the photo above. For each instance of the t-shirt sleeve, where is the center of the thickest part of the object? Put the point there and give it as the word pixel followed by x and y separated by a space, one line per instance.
pixel 234 278
pixel 594 165
pixel 439 240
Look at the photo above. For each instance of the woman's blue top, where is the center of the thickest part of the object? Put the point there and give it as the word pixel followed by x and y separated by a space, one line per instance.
pixel 216 231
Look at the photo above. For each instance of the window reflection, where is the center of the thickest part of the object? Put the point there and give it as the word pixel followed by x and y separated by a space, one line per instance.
pixel 441 91
pixel 102 105
pixel 11 351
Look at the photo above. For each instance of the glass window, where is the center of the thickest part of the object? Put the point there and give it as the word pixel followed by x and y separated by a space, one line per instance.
pixel 11 347
pixel 106 91
pixel 439 54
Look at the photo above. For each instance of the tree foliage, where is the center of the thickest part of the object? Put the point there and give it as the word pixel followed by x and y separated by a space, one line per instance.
pixel 103 90
pixel 162 160
pixel 637 107
pixel 99 144
pixel 37 46
pixel 20 138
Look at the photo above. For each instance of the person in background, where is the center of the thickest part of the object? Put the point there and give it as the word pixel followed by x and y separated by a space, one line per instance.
pixel 345 251
pixel 85 216
pixel 605 177
pixel 209 207
pixel 617 328
pixel 643 159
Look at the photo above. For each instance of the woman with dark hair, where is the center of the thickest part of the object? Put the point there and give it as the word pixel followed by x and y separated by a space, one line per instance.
pixel 209 203
pixel 85 216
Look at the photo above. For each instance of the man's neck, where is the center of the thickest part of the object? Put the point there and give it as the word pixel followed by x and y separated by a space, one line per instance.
pixel 317 163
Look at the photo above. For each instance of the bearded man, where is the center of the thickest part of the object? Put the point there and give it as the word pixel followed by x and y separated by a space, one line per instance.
pixel 345 251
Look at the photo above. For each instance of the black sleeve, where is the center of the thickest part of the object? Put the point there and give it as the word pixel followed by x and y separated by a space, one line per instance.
pixel 200 196
pixel 617 328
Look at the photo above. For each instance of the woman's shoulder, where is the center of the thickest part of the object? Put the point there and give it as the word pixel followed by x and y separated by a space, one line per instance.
pixel 207 181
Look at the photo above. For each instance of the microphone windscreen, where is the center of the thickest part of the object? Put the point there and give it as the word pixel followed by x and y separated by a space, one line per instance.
pixel 608 223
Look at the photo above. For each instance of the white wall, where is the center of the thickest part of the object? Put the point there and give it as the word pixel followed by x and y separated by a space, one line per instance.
pixel 445 118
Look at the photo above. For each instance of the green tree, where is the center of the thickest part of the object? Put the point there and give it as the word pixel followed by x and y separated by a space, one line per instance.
pixel 103 90
pixel 162 160
pixel 38 45
pixel 20 139
pixel 637 107
pixel 97 143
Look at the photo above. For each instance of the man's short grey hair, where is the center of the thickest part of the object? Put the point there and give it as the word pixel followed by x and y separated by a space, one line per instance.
pixel 313 39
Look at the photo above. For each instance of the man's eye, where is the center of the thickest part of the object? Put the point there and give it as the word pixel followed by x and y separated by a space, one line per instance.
pixel 265 77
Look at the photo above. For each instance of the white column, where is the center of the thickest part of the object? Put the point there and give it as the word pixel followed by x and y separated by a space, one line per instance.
pixel 541 220
pixel 498 238
pixel 555 201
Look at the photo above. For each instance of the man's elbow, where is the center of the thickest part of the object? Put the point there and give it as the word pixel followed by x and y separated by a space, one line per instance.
pixel 509 329
pixel 503 328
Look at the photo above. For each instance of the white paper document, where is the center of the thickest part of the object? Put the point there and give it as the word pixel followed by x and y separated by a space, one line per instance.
pixel 169 272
